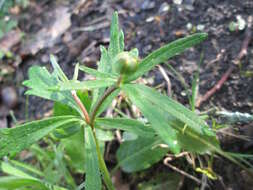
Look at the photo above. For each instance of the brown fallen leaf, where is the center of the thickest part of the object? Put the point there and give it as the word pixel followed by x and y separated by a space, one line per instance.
pixel 48 36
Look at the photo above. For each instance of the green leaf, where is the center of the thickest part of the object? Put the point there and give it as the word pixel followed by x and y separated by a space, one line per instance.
pixel 104 135
pixel 140 154
pixel 39 83
pixel 67 130
pixel 22 178
pixel 92 175
pixel 129 125
pixel 105 67
pixel 169 118
pixel 164 53
pixel 105 61
pixel 155 116
pixel 121 41
pixel 14 140
pixel 9 169
pixel 14 183
pixel 27 168
pixel 84 85
pixel 74 148
pixel 114 46
pixel 57 69
pixel 61 167
pixel 107 102
pixel 61 110
pixel 99 74
pixel 134 52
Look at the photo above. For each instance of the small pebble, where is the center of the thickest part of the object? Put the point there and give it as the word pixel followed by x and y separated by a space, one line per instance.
pixel 189 26
pixel 165 7
pixel 200 27
pixel 9 97
pixel 147 5
pixel 177 2
pixel 150 19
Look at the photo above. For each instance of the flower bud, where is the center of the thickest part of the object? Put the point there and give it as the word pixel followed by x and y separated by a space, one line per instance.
pixel 125 63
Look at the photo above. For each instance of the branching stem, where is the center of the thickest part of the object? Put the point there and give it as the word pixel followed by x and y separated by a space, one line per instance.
pixel 98 104
pixel 80 104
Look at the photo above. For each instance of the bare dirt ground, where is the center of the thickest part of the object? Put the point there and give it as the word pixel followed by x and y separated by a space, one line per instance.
pixel 74 30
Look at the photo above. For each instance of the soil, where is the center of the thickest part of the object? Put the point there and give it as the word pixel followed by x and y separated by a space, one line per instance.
pixel 147 27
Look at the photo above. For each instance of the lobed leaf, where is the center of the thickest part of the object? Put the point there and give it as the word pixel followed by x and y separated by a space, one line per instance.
pixel 164 53
pixel 39 83
pixel 116 46
pixel 14 140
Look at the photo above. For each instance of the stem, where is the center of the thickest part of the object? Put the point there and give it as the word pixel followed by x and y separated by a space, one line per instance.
pixel 100 102
pixel 80 104
pixel 107 93
pixel 103 168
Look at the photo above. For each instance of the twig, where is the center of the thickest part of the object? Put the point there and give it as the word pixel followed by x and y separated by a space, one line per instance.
pixel 107 93
pixel 100 101
pixel 165 76
pixel 165 161
pixel 80 104
pixel 236 61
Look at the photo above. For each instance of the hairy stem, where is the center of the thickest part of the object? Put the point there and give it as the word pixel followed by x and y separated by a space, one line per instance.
pixel 103 168
pixel 107 93
pixel 80 104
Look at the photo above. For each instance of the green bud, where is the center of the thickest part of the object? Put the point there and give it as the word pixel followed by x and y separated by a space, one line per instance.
pixel 125 63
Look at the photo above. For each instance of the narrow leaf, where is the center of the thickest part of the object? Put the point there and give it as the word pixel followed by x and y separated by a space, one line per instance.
pixel 164 53
pixel 189 130
pixel 85 85
pixel 57 69
pixel 14 140
pixel 114 47
pixel 11 170
pixel 121 41
pixel 14 183
pixel 129 125
pixel 98 74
